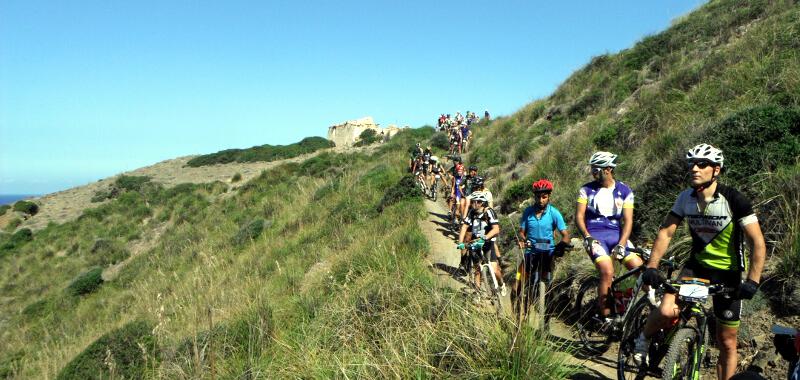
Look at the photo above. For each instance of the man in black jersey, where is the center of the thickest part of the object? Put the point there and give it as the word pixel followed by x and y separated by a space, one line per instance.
pixel 720 220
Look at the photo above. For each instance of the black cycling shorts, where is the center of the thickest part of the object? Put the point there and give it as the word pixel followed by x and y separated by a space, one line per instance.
pixel 535 261
pixel 488 251
pixel 727 310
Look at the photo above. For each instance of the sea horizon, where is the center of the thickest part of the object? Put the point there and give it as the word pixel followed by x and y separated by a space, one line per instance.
pixel 7 199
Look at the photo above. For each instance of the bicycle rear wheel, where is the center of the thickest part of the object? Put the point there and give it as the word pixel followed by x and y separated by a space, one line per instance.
pixel 632 327
pixel 683 356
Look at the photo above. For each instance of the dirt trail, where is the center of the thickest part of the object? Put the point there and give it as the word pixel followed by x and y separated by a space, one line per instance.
pixel 444 259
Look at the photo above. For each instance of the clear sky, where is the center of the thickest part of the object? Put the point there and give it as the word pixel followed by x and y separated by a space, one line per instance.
pixel 89 89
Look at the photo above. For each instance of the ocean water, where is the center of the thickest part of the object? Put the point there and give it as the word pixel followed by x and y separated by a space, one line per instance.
pixel 7 199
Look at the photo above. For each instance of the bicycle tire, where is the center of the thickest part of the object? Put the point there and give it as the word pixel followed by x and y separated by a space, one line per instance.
pixel 632 326
pixel 541 310
pixel 680 361
pixel 593 332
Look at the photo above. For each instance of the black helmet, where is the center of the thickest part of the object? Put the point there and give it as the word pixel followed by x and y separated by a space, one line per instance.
pixel 477 181
pixel 473 167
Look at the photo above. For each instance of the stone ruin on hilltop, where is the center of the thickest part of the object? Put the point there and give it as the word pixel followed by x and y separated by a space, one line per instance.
pixel 347 133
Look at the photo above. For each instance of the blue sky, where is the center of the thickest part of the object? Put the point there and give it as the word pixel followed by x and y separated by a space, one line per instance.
pixel 89 89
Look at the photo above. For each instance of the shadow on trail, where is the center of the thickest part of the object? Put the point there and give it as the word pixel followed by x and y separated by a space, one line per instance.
pixel 454 272
pixel 438 215
pixel 589 375
pixel 447 232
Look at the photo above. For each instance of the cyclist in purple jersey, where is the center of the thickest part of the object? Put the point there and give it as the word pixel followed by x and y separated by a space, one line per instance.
pixel 603 205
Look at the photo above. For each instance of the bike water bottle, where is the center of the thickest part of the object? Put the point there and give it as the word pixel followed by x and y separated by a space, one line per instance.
pixel 620 301
pixel 627 297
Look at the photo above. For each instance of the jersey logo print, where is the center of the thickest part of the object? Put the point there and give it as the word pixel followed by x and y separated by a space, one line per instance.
pixel 707 227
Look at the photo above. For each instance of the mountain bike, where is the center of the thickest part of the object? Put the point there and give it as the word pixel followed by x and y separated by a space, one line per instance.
pixel 489 285
pixel 534 285
pixel 597 332
pixel 435 186
pixel 682 348
pixel 421 182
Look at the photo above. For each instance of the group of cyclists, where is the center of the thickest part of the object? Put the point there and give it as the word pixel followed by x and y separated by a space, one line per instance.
pixel 720 219
pixel 458 129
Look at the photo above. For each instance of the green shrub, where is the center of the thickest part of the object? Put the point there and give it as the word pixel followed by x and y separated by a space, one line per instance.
pixel 129 350
pixel 757 139
pixel 101 195
pixel 17 240
pixel 605 137
pixel 236 177
pixel 9 364
pixel 249 231
pixel 38 308
pixel 262 153
pixel 86 283
pixel 109 251
pixel 440 140
pixel 4 208
pixel 367 137
pixel 131 183
pixel 406 188
pixel 26 207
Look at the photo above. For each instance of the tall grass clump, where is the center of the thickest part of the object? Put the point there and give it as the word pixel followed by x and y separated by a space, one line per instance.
pixel 262 153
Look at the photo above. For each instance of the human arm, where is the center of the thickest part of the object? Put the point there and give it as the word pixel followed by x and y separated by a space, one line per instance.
pixel 522 239
pixel 627 226
pixel 580 218
pixel 758 249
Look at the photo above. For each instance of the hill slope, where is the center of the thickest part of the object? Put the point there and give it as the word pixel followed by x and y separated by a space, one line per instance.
pixel 296 273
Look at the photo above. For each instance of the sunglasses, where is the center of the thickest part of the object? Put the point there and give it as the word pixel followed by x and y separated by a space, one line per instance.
pixel 700 164
pixel 596 170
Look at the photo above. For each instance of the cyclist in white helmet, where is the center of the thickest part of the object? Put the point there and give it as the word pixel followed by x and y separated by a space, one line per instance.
pixel 720 220
pixel 436 173
pixel 604 215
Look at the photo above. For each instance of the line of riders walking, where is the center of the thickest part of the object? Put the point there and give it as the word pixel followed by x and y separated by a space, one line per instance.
pixel 720 219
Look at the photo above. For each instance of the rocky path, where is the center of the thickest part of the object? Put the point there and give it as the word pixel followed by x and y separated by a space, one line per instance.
pixel 444 260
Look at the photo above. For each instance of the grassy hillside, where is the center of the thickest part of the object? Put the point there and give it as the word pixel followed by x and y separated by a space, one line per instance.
pixel 262 152
pixel 727 74
pixel 296 274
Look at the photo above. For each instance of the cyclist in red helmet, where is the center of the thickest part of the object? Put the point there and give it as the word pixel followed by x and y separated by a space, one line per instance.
pixel 536 237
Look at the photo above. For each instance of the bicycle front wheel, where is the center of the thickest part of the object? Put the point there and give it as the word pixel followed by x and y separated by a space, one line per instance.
pixel 683 356
pixel 632 327
pixel 593 330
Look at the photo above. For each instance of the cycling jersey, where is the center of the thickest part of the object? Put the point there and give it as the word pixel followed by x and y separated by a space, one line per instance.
pixel 604 206
pixel 603 214
pixel 540 229
pixel 481 223
pixel 437 169
pixel 717 232
pixel 458 191
pixel 465 132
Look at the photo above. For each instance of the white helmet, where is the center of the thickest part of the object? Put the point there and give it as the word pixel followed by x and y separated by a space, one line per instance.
pixel 434 159
pixel 603 160
pixel 478 196
pixel 705 152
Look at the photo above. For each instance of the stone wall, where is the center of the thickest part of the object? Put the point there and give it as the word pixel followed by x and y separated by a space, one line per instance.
pixel 347 133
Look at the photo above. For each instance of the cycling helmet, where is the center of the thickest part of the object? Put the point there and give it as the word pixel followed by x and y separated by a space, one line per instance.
pixel 705 152
pixel 477 181
pixel 473 167
pixel 478 196
pixel 542 186
pixel 434 159
pixel 603 160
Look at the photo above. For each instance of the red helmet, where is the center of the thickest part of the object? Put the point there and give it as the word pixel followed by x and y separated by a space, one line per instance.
pixel 542 186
